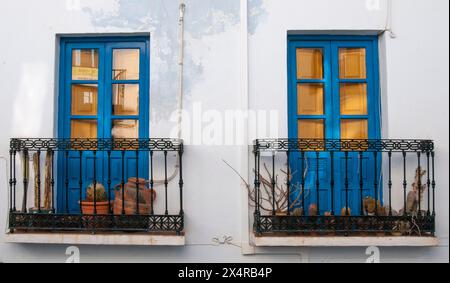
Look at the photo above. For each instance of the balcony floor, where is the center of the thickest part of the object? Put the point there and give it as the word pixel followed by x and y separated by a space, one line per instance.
pixel 137 239
pixel 301 241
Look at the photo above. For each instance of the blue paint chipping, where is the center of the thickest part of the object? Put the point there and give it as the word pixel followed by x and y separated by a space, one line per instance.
pixel 257 15
pixel 160 18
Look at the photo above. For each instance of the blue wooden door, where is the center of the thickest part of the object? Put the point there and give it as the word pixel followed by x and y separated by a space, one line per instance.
pixel 104 95
pixel 311 120
pixel 333 94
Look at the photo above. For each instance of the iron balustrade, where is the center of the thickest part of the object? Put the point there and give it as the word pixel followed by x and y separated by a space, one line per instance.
pixel 59 219
pixel 283 208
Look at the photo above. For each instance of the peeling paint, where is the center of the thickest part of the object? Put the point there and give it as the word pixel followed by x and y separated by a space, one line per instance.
pixel 160 18
pixel 257 15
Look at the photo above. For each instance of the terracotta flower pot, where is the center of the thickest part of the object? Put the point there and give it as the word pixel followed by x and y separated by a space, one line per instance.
pixel 130 208
pixel 140 181
pixel 89 207
pixel 129 200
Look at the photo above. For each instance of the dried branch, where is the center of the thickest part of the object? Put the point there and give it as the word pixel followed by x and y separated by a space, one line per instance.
pixel 282 192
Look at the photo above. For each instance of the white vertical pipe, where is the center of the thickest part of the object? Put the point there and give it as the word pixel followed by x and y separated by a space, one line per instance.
pixel 244 147
pixel 180 106
pixel 181 69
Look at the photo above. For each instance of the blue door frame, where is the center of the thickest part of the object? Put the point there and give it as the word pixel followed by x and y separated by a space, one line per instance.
pixel 69 163
pixel 332 119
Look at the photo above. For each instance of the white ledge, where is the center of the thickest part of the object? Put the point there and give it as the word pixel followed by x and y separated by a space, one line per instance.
pixel 275 241
pixel 97 239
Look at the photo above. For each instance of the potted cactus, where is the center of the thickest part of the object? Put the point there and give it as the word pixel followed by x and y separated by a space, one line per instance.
pixel 96 199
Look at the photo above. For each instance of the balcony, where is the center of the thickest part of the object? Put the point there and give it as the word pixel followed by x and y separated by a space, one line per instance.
pixel 102 186
pixel 345 189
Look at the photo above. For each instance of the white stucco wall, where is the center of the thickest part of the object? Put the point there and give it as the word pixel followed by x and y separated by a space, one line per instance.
pixel 415 99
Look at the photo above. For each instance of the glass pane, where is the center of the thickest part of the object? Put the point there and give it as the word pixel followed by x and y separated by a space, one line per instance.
pixel 309 63
pixel 352 63
pixel 84 99
pixel 125 99
pixel 84 129
pixel 311 129
pixel 353 99
pixel 310 99
pixel 354 129
pixel 125 129
pixel 85 64
pixel 126 64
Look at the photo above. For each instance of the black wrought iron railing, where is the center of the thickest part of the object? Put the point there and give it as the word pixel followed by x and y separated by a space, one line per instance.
pixel 344 187
pixel 96 185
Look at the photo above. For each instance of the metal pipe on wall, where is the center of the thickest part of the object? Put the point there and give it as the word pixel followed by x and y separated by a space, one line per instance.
pixel 180 99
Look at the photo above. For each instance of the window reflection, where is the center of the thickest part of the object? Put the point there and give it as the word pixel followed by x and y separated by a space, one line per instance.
pixel 125 129
pixel 126 64
pixel 85 64
pixel 84 99
pixel 125 99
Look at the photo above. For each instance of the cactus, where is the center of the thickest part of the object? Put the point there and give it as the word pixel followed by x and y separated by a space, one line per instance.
pixel 99 193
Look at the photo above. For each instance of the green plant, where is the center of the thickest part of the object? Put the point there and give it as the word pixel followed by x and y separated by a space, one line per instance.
pixel 99 193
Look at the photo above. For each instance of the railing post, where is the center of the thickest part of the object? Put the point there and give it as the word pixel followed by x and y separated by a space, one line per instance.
pixel 361 183
pixel 433 183
pixel 123 182
pixel 288 182
pixel 303 181
pixel 14 181
pixel 347 183
pixel 375 182
pixel 257 187
pixel 405 184
pixel 333 209
pixel 95 183
pixel 11 182
pixel 137 182
pixel 26 173
pixel 110 211
pixel 419 182
pixel 38 181
pixel 318 182
pixel 152 182
pixel 80 153
pixel 428 184
pixel 181 182
pixel 66 181
pixel 166 184
pixel 273 184
pixel 257 183
pixel 390 183
pixel 258 191
pixel 52 179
